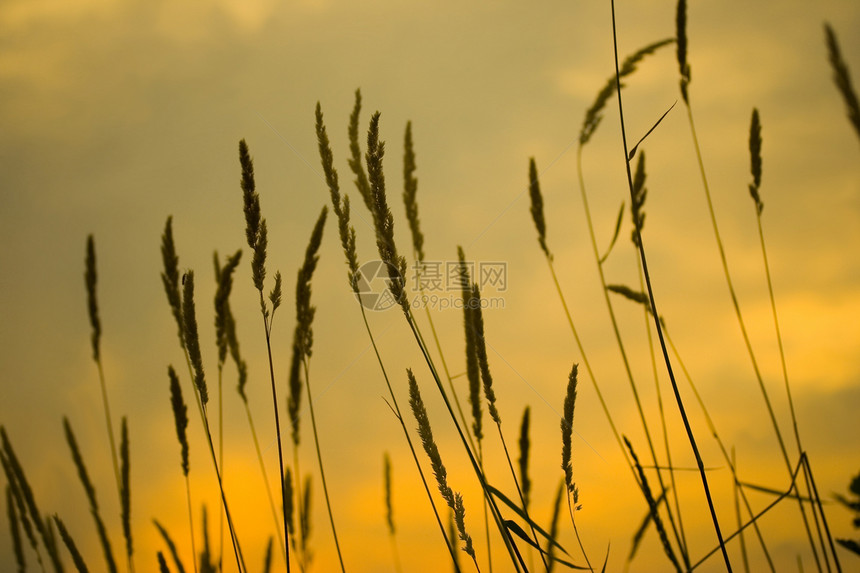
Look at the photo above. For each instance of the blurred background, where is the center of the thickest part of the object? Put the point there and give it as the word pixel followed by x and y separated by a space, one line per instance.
pixel 117 115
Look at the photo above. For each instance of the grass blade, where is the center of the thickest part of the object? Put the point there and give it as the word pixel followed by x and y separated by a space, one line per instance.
pixel 70 545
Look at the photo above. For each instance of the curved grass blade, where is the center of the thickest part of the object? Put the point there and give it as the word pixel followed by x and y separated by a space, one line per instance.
pixel 518 510
pixel 632 152
pixel 515 528
pixel 614 235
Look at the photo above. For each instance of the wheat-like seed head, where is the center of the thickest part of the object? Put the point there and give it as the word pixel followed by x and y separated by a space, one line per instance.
pixel 481 347
pixel 537 206
pixel 389 509
pixel 223 316
pixel 303 333
pixel 638 199
pixel 355 161
pixel 410 189
pixel 170 277
pixel 755 160
pixel 90 278
pixel 567 429
pixel 525 482
pixel 452 498
pixel 460 520
pixel 192 340
pixel 382 218
pixel 681 39
pixel 180 415
pixel 473 373
pixel 125 464
pixel 340 205
pixel 255 225
pixel 842 78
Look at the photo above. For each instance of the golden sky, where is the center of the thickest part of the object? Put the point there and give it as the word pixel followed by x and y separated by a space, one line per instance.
pixel 118 114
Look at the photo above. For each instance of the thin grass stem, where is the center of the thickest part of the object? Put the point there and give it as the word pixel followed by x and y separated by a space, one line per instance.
pixel 627 369
pixel 641 245
pixel 322 469
pixel 265 478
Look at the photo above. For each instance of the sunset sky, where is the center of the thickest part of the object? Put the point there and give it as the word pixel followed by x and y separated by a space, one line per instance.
pixel 116 115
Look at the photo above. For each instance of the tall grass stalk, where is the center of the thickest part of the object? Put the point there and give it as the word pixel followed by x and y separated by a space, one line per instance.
pixel 755 142
pixel 566 457
pixel 410 190
pixel 302 345
pixel 223 322
pixel 452 498
pixel 540 224
pixel 257 238
pixel 653 303
pixel 91 278
pixel 474 376
pixel 183 310
pixel 340 206
pixel 192 343
pixel 640 193
pixel 396 264
pixel 590 124
pixel 684 66
pixel 225 325
pixel 487 383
